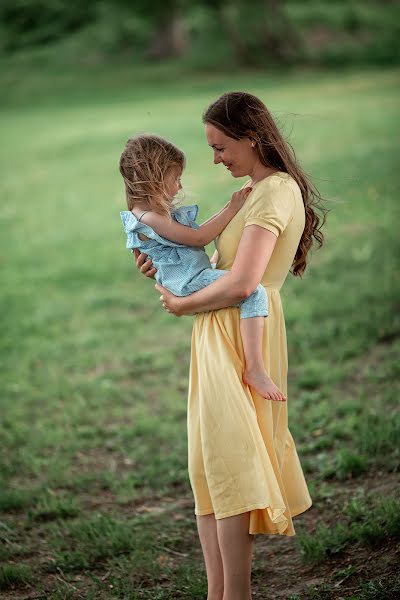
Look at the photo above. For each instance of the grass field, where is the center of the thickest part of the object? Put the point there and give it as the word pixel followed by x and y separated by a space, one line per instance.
pixel 94 494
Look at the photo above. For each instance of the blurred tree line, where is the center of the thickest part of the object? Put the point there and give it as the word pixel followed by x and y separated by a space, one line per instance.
pixel 260 32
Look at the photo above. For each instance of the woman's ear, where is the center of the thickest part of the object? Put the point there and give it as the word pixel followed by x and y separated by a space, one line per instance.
pixel 252 137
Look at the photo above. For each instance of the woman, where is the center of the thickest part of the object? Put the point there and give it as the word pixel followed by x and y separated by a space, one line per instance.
pixel 243 465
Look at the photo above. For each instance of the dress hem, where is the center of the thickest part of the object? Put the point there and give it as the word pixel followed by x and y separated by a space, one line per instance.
pixel 238 511
pixel 244 509
pixel 201 513
pixel 298 511
pixel 289 531
pixel 235 511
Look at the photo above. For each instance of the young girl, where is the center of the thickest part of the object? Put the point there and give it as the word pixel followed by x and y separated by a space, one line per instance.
pixel 151 168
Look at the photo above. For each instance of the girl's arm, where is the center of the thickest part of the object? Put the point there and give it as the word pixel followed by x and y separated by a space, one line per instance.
pixel 171 230
pixel 227 204
pixel 216 215
pixel 255 249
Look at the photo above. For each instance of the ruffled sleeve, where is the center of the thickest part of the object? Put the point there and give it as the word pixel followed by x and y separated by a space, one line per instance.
pixel 133 227
pixel 186 215
pixel 271 206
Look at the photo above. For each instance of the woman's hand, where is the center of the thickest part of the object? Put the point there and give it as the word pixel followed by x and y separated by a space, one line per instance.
pixel 171 303
pixel 239 198
pixel 143 264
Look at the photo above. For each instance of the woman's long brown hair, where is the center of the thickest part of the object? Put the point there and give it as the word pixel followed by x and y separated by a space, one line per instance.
pixel 239 115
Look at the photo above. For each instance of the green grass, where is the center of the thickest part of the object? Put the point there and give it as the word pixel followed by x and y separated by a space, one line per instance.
pixel 94 374
pixel 11 575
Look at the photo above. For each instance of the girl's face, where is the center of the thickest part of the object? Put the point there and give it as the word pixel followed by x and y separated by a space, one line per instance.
pixel 238 156
pixel 172 182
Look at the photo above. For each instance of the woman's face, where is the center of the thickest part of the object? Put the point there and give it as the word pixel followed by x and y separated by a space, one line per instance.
pixel 237 155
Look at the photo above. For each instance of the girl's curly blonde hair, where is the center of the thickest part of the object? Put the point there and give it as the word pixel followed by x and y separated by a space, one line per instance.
pixel 144 164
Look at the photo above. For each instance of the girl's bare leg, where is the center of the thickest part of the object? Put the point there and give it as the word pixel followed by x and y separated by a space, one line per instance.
pixel 207 528
pixel 252 330
pixel 236 546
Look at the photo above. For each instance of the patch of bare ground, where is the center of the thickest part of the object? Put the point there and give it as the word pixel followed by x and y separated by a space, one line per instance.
pixel 78 586
pixel 101 459
pixel 106 502
pixel 279 571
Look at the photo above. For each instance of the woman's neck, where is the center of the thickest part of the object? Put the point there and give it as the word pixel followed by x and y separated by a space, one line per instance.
pixel 260 171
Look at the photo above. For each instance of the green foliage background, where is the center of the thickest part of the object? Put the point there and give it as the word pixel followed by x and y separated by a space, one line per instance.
pixel 208 32
pixel 93 452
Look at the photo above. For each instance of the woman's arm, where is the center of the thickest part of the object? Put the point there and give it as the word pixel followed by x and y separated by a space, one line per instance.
pixel 214 258
pixel 171 230
pixel 255 249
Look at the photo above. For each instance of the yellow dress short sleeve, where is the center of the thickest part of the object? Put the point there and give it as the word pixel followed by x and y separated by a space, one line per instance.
pixel 270 206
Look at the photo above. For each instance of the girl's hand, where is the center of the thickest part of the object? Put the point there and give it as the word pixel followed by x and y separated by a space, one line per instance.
pixel 239 198
pixel 143 264
pixel 170 303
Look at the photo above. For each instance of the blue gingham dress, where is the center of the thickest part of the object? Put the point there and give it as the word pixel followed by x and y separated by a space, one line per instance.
pixel 184 269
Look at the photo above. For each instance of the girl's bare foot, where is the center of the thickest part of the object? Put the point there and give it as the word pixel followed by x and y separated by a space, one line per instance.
pixel 259 380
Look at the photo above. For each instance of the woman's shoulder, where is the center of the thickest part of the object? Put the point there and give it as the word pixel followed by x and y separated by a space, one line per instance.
pixel 280 181
pixel 276 180
pixel 273 199
pixel 279 185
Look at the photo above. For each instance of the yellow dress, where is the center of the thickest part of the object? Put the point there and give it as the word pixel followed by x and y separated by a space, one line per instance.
pixel 241 454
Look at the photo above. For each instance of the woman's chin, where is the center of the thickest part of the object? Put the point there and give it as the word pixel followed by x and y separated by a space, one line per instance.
pixel 235 173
